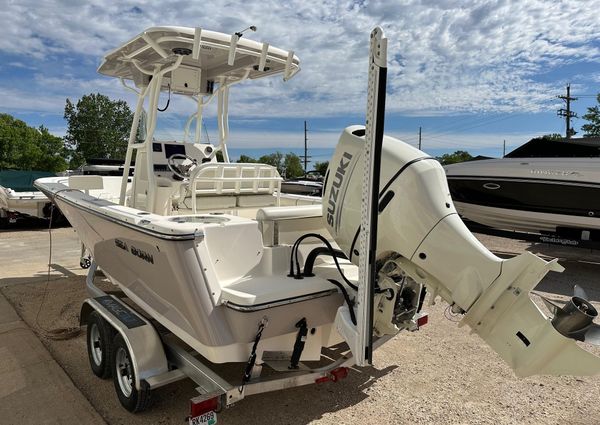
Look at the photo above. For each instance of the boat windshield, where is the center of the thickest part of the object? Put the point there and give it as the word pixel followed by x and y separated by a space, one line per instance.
pixel 564 148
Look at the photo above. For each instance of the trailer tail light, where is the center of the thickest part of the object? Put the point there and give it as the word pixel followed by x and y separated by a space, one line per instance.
pixel 422 319
pixel 339 373
pixel 201 408
pixel 334 376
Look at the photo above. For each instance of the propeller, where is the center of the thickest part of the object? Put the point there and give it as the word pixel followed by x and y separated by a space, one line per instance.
pixel 575 318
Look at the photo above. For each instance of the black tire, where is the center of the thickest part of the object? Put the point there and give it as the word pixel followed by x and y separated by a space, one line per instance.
pixel 99 345
pixel 58 219
pixel 130 397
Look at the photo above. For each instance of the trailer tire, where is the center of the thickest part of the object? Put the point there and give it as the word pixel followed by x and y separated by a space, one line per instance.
pixel 130 397
pixel 99 345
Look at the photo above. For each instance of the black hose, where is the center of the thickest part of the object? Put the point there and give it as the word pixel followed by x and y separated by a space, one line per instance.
pixel 347 298
pixel 168 102
pixel 312 256
pixel 326 242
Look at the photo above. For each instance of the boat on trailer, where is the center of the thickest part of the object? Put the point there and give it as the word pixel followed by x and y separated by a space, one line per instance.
pixel 19 199
pixel 212 257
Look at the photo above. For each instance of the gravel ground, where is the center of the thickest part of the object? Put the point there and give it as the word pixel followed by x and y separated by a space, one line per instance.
pixel 440 374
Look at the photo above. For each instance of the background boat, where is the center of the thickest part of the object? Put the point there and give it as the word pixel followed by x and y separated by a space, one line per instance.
pixel 546 185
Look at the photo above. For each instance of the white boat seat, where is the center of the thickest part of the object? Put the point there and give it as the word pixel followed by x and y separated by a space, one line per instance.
pixel 249 201
pixel 290 212
pixel 86 182
pixel 207 203
pixel 261 291
pixel 283 225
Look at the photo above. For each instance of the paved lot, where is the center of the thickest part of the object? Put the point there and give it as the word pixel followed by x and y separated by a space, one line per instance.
pixel 34 389
pixel 440 374
pixel 24 254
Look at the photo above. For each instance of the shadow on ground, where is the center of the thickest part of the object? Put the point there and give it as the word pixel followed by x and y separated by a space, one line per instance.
pixel 31 224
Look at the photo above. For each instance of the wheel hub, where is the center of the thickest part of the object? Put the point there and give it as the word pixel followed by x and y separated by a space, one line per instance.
pixel 96 347
pixel 124 372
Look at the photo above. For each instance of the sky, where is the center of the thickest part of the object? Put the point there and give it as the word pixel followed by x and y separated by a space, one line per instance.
pixel 472 74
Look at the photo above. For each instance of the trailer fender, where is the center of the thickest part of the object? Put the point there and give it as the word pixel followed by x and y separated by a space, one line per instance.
pixel 145 346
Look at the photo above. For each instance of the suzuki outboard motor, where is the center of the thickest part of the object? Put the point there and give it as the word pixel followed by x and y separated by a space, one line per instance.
pixel 421 231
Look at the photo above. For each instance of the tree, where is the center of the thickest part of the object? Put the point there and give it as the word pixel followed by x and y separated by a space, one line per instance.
pixel 288 166
pixel 245 159
pixel 28 148
pixel 52 152
pixel 553 136
pixel 452 158
pixel 592 129
pixel 293 166
pixel 97 127
pixel 321 167
pixel 275 159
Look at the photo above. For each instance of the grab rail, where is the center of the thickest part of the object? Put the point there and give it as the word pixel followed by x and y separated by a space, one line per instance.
pixel 216 174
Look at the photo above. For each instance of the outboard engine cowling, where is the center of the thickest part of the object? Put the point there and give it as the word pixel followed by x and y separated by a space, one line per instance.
pixel 420 231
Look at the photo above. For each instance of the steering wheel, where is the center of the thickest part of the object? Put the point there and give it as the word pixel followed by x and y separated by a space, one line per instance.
pixel 181 165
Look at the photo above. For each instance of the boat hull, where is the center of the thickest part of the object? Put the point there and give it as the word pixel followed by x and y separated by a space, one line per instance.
pixel 532 195
pixel 164 275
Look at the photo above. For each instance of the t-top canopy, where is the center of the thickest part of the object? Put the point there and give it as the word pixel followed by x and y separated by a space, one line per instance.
pixel 219 57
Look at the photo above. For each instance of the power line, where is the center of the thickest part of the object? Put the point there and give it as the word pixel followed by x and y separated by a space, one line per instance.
pixel 460 126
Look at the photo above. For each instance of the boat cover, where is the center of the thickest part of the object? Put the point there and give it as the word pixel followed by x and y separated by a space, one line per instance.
pixel 22 181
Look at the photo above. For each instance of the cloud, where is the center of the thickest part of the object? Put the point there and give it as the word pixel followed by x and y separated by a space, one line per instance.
pixel 445 57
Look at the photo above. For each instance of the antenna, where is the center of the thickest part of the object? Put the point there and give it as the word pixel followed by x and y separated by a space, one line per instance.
pixel 251 28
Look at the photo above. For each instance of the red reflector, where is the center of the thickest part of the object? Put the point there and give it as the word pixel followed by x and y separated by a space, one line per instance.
pixel 202 407
pixel 339 373
pixel 422 320
pixel 321 380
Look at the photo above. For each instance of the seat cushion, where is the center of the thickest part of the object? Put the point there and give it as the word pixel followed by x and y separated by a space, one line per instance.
pixel 215 202
pixel 256 200
pixel 263 290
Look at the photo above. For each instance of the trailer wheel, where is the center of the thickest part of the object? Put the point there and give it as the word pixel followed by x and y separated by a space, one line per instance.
pixel 130 397
pixel 99 345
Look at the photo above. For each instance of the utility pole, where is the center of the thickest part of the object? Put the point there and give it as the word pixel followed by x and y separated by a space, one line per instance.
pixel 419 138
pixel 503 148
pixel 305 156
pixel 567 113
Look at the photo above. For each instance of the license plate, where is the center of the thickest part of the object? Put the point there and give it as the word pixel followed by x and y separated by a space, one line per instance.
pixel 209 418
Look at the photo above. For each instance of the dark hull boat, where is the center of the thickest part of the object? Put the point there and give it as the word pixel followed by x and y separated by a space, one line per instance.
pixel 545 186
pixel 302 187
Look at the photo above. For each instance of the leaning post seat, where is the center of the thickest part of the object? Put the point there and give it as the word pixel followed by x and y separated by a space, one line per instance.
pixel 283 225
pixel 240 184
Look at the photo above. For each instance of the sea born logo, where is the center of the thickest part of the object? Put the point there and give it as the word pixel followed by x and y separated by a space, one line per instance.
pixel 142 254
pixel 135 251
pixel 335 186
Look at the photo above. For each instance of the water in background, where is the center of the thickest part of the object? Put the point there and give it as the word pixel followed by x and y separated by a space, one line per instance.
pixel 315 154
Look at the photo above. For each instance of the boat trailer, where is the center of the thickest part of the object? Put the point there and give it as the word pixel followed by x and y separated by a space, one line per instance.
pixel 145 356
